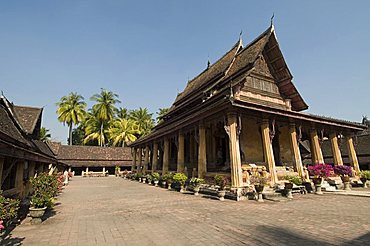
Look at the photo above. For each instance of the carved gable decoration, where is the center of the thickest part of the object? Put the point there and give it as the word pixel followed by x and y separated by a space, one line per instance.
pixel 262 68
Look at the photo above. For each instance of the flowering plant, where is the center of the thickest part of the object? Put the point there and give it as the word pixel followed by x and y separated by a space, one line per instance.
pixel 320 170
pixel 343 170
pixel 258 179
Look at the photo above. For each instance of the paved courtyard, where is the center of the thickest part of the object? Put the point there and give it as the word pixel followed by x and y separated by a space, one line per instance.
pixel 113 211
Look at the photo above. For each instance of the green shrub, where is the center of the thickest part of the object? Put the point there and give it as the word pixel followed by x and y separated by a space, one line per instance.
pixel 294 179
pixel 8 208
pixel 365 174
pixel 196 181
pixel 180 178
pixel 221 181
pixel 168 177
pixel 45 188
pixel 156 176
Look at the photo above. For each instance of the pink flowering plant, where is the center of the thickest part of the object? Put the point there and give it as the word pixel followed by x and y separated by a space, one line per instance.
pixel 320 170
pixel 343 170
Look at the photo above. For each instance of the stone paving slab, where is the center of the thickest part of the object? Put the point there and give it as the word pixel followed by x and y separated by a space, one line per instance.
pixel 114 211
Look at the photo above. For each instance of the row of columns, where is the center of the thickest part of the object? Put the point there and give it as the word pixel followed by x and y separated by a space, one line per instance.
pixel 234 150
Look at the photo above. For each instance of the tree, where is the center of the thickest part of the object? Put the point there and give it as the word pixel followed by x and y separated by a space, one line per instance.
pixel 143 119
pixel 44 134
pixel 122 113
pixel 71 111
pixel 104 110
pixel 161 112
pixel 122 132
pixel 94 130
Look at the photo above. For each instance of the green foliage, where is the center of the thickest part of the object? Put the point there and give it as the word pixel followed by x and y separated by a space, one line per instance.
pixel 44 134
pixel 168 177
pixel 221 181
pixel 45 188
pixel 258 179
pixel 294 179
pixel 122 132
pixel 365 174
pixel 143 119
pixel 8 207
pixel 161 112
pixel 180 178
pixel 71 111
pixel 156 176
pixel 196 181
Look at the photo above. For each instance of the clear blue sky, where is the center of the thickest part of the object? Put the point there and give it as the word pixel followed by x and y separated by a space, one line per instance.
pixel 147 50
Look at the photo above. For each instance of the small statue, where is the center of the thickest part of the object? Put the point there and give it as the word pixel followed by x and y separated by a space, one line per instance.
pixel 306 175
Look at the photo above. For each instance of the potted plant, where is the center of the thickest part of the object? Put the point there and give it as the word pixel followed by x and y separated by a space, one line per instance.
pixel 45 188
pixel 143 178
pixel 149 178
pixel 259 183
pixel 196 182
pixel 139 176
pixel 156 178
pixel 168 178
pixel 345 172
pixel 221 181
pixel 180 178
pixel 319 172
pixel 292 180
pixel 364 176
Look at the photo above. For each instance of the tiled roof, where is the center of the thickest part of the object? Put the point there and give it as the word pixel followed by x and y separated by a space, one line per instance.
pixel 101 163
pixel 8 127
pixel 93 153
pixel 218 68
pixel 43 147
pixel 27 117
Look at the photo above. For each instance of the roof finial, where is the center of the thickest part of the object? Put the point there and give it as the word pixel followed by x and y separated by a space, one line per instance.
pixel 208 63
pixel 272 18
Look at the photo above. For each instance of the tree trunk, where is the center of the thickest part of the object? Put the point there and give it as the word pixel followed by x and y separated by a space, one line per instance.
pixel 101 135
pixel 70 134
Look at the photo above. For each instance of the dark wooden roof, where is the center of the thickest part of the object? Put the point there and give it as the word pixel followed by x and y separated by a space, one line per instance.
pixel 27 117
pixel 14 136
pixel 78 155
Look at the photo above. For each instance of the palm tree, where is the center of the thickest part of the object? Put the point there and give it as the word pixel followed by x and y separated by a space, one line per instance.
pixel 161 112
pixel 44 134
pixel 94 131
pixel 71 111
pixel 122 113
pixel 104 110
pixel 122 132
pixel 143 119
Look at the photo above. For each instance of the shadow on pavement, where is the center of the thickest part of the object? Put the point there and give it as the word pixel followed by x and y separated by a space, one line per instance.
pixel 362 240
pixel 281 236
pixel 12 241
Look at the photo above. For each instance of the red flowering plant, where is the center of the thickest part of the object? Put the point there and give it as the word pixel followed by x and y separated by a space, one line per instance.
pixel 343 170
pixel 320 170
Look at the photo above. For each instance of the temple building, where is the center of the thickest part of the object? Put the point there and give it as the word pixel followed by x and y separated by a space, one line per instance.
pixel 22 154
pixel 242 111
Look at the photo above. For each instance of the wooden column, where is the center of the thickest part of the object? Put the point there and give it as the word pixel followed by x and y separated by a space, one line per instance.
pixel 140 156
pixel 2 162
pixel 155 157
pixel 134 158
pixel 191 149
pixel 180 153
pixel 166 155
pixel 337 157
pixel 32 165
pixel 267 151
pixel 352 155
pixel 316 147
pixel 202 152
pixel 234 149
pixel 19 178
pixel 146 160
pixel 297 160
